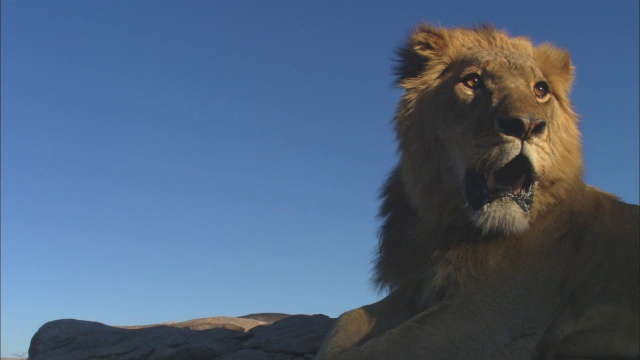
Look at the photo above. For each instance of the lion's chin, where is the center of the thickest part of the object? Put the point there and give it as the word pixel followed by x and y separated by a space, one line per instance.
pixel 501 217
pixel 500 200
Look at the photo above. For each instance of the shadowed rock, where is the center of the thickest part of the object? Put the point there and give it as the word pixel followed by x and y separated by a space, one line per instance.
pixel 291 337
pixel 297 334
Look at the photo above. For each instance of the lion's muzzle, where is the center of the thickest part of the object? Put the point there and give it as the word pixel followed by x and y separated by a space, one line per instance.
pixel 514 181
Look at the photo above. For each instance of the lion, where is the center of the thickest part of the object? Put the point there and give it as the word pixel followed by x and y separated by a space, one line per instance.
pixel 492 246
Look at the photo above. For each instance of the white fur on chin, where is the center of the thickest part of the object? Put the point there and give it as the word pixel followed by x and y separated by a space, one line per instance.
pixel 501 216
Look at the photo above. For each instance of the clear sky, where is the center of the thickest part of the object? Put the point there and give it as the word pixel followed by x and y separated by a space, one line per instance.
pixel 164 160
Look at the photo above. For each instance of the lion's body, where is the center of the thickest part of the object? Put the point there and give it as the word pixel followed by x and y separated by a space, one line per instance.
pixel 492 245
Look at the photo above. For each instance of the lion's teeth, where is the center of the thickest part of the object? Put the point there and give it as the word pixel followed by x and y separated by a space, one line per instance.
pixel 518 186
pixel 491 183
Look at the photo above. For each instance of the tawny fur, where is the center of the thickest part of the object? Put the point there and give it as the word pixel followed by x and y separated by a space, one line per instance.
pixel 500 282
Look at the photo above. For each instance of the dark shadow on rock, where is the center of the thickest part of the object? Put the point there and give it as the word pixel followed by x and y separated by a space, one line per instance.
pixel 251 337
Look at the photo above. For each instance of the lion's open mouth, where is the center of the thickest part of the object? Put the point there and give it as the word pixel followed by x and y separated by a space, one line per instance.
pixel 514 180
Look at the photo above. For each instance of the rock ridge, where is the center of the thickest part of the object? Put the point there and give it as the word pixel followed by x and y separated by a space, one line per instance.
pixel 268 336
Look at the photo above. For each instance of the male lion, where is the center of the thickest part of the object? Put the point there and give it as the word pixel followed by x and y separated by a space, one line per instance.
pixel 492 245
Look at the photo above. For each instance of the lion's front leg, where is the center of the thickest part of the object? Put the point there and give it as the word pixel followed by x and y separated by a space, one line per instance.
pixel 458 328
pixel 351 329
pixel 358 326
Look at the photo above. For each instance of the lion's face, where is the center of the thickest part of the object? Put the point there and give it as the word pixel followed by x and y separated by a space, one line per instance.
pixel 486 124
pixel 496 134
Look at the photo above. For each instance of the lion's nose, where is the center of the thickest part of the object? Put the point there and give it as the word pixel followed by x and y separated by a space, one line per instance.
pixel 521 127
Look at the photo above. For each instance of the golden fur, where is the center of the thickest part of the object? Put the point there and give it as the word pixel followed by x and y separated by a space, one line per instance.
pixel 492 245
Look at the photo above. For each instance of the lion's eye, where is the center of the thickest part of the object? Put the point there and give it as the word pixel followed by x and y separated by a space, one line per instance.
pixel 472 81
pixel 541 89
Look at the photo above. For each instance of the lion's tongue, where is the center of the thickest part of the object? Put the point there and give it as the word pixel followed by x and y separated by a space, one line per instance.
pixel 513 188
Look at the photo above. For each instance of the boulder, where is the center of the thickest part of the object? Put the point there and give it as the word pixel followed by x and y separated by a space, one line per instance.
pixel 296 335
pixel 249 337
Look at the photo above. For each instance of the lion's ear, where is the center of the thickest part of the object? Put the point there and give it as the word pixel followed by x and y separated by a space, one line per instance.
pixel 424 43
pixel 556 67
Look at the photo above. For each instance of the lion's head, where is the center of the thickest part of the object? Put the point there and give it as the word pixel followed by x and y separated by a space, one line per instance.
pixel 486 133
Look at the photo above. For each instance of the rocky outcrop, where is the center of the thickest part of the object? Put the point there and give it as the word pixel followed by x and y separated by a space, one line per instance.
pixel 251 337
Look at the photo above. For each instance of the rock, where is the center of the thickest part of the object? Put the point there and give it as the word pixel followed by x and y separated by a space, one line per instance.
pixel 266 317
pixel 243 323
pixel 252 337
pixel 73 339
pixel 248 354
pixel 297 334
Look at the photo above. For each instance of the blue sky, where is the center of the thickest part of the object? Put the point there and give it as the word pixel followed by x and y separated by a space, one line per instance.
pixel 165 160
